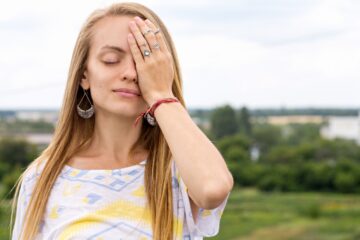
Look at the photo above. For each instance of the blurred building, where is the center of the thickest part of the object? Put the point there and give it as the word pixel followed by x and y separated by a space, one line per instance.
pixel 300 119
pixel 38 138
pixel 33 115
pixel 342 127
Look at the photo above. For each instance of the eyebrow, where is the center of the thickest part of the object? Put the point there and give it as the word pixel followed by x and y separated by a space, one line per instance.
pixel 118 49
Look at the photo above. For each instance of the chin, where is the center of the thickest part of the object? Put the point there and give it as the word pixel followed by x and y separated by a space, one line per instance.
pixel 128 111
pixel 123 108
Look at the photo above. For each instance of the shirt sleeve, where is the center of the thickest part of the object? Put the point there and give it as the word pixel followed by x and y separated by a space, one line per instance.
pixel 20 213
pixel 207 220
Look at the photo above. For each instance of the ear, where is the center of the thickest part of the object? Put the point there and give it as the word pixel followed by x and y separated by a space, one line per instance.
pixel 85 84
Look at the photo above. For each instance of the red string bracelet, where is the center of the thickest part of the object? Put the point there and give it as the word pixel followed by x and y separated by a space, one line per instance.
pixel 149 114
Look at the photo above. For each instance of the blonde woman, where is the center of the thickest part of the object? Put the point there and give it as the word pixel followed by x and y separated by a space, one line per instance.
pixel 126 160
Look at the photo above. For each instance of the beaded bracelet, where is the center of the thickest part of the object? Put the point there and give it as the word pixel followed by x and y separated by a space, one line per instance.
pixel 149 114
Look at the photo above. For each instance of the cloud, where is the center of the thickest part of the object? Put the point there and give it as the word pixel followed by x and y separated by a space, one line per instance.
pixel 258 53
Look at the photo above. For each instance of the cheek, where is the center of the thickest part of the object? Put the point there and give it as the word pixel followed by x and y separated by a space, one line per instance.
pixel 97 83
pixel 99 78
pixel 99 87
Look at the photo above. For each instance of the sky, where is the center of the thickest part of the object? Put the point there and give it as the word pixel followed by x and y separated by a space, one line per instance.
pixel 254 53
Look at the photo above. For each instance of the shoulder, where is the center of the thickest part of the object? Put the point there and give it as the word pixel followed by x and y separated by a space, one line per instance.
pixel 27 182
pixel 33 171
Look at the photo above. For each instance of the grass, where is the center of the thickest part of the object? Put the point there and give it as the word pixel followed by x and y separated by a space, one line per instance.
pixel 5 212
pixel 254 215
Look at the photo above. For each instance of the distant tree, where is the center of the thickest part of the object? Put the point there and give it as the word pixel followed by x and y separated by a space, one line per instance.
pixel 25 126
pixel 15 155
pixel 8 182
pixel 317 176
pixel 16 151
pixel 345 183
pixel 347 179
pixel 249 174
pixel 299 133
pixel 236 141
pixel 266 136
pixel 235 150
pixel 282 154
pixel 270 182
pixel 244 123
pixel 223 122
pixel 278 178
pixel 238 155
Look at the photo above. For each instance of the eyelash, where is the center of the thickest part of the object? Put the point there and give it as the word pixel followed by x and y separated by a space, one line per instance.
pixel 110 63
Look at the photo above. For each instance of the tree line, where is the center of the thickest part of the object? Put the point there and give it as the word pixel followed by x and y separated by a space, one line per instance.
pixel 272 158
pixel 284 158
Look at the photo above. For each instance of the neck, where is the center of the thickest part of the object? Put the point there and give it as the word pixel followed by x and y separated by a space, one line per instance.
pixel 114 137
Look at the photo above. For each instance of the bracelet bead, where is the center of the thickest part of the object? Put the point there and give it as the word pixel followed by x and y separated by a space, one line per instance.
pixel 149 114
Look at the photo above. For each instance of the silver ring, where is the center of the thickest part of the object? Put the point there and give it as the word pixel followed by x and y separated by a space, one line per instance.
pixel 156 46
pixel 147 31
pixel 146 53
pixel 157 31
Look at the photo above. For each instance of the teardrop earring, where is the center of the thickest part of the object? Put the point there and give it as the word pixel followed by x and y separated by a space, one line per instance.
pixel 88 112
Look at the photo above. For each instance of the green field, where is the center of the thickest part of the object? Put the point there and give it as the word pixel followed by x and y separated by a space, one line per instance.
pixel 5 212
pixel 252 215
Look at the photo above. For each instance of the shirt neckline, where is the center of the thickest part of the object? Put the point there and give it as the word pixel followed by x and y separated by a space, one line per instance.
pixel 123 169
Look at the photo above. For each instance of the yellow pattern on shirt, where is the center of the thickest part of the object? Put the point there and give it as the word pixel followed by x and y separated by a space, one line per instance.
pixel 120 209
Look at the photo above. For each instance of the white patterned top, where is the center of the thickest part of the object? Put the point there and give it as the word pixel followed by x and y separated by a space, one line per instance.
pixel 110 204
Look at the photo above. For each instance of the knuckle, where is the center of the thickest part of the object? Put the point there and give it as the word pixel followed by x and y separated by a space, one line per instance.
pixel 142 44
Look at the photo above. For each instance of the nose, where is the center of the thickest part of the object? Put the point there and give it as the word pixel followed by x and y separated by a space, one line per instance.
pixel 130 70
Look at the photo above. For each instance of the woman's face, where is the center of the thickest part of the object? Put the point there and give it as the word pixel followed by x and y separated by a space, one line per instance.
pixel 111 66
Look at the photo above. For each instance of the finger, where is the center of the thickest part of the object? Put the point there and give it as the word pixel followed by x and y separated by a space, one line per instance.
pixel 138 57
pixel 139 38
pixel 149 35
pixel 159 36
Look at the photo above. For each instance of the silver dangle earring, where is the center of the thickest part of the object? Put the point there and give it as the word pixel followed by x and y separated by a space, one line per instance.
pixel 88 112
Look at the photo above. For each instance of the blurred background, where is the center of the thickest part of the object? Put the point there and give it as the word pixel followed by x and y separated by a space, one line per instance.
pixel 273 83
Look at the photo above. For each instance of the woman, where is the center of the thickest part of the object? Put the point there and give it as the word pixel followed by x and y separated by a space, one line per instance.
pixel 104 176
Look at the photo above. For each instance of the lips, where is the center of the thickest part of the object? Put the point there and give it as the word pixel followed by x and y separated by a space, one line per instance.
pixel 127 90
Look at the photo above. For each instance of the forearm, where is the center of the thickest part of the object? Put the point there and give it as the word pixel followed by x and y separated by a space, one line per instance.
pixel 200 164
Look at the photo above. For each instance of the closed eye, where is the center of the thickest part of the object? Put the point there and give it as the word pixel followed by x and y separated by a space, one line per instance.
pixel 110 62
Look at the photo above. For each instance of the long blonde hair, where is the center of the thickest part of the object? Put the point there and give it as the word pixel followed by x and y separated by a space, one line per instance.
pixel 73 133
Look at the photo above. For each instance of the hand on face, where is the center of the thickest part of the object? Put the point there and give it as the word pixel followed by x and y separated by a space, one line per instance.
pixel 153 60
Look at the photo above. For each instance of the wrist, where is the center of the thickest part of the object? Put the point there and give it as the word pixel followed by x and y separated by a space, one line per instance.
pixel 153 99
pixel 153 103
pixel 150 113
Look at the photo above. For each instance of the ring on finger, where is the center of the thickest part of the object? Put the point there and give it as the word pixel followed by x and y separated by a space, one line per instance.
pixel 146 53
pixel 156 46
pixel 147 31
pixel 157 31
